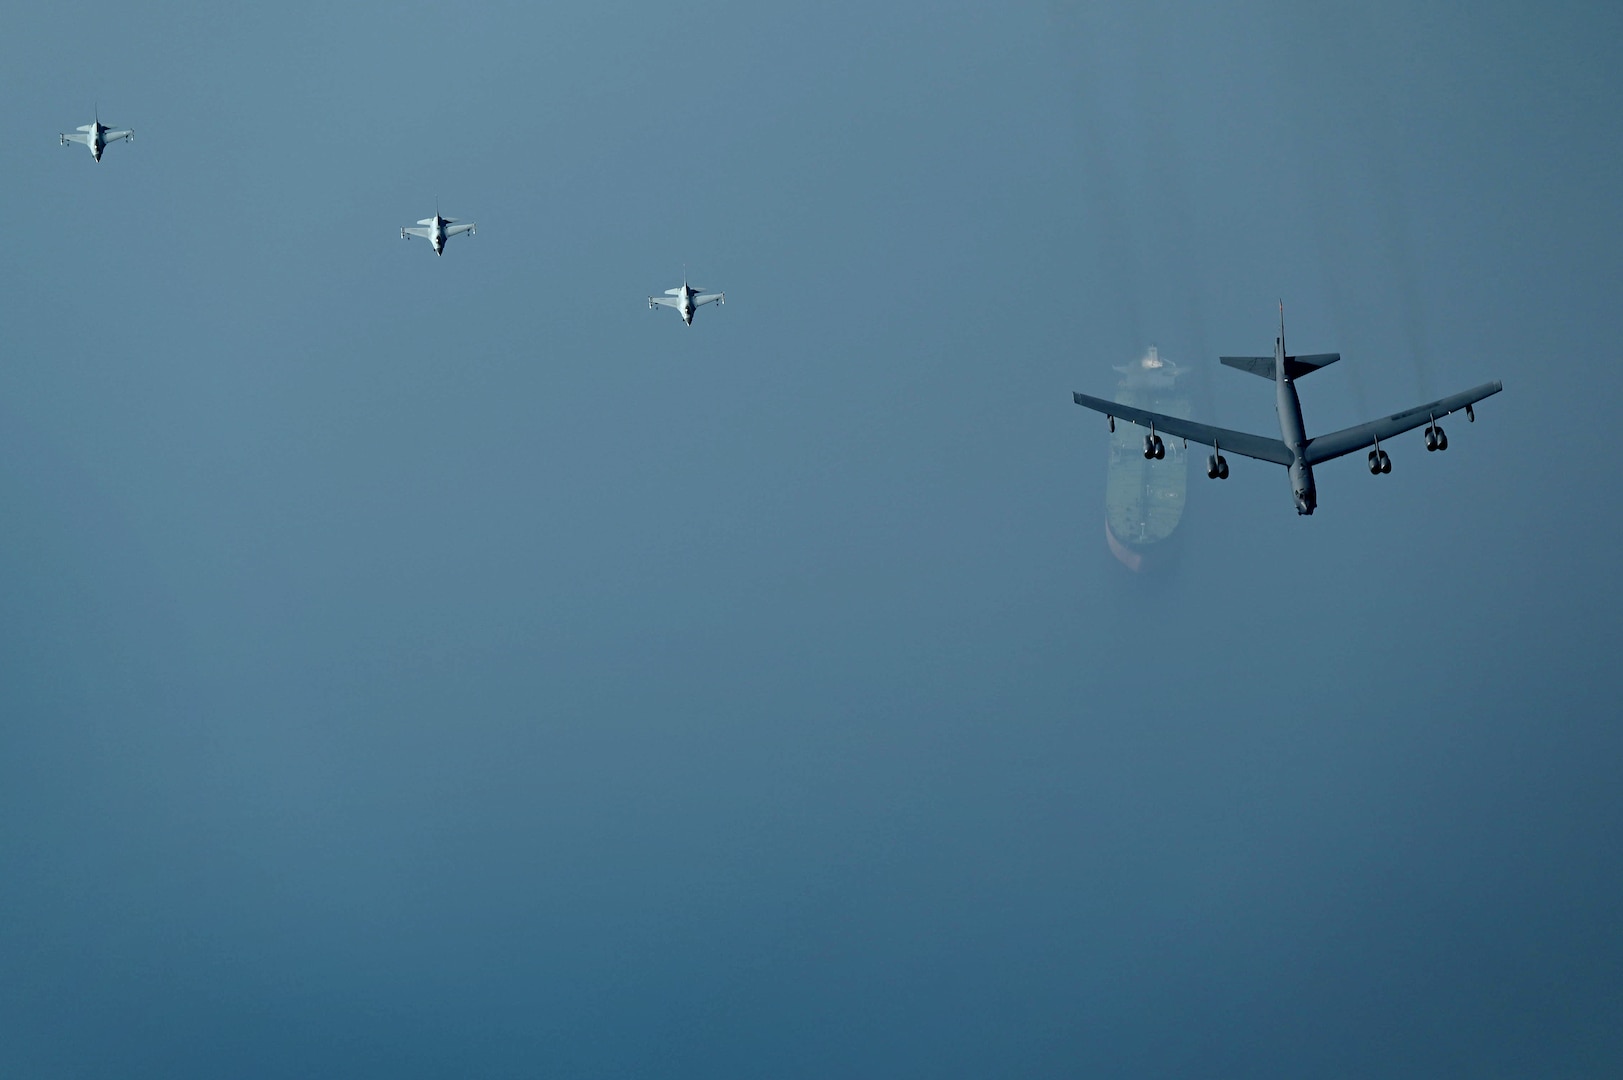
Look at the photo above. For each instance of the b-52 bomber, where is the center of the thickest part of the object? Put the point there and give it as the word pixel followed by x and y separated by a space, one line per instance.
pixel 686 300
pixel 96 135
pixel 438 230
pixel 1293 449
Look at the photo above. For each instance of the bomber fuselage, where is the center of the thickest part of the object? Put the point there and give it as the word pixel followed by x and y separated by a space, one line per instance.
pixel 1292 430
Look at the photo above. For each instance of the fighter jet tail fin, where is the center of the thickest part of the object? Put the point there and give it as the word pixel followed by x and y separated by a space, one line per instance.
pixel 1295 366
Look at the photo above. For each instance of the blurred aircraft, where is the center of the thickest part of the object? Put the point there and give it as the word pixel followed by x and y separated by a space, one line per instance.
pixel 438 231
pixel 686 300
pixel 1294 449
pixel 95 135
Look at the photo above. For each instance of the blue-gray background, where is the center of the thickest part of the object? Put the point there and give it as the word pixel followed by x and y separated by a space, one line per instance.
pixel 418 667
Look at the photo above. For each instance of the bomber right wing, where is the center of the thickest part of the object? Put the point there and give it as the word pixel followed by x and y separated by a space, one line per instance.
pixel 1345 441
pixel 1251 446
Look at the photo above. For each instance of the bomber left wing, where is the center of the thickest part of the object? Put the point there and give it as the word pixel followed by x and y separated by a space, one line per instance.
pixel 1252 446
pixel 1345 441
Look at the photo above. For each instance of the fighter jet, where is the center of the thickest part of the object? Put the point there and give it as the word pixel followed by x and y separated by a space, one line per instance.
pixel 686 300
pixel 1293 449
pixel 96 136
pixel 439 230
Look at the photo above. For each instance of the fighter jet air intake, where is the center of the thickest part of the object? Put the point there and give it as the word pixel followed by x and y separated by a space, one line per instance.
pixel 1293 449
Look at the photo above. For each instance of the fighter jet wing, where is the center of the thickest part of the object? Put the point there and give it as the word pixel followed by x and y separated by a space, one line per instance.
pixel 114 136
pixel 709 298
pixel 424 233
pixel 1252 446
pixel 1345 441
pixel 664 301
pixel 458 230
pixel 80 137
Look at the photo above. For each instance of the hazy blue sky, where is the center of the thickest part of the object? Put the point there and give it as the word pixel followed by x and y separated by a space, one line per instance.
pixel 418 667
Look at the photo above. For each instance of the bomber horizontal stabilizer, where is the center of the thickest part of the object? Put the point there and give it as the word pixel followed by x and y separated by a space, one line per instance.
pixel 1295 366
pixel 1256 365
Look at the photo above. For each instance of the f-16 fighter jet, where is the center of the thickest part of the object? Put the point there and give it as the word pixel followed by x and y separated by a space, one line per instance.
pixel 96 136
pixel 438 231
pixel 686 300
pixel 1293 449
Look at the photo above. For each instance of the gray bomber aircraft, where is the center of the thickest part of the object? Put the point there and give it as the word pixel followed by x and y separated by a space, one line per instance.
pixel 95 135
pixel 686 300
pixel 1293 449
